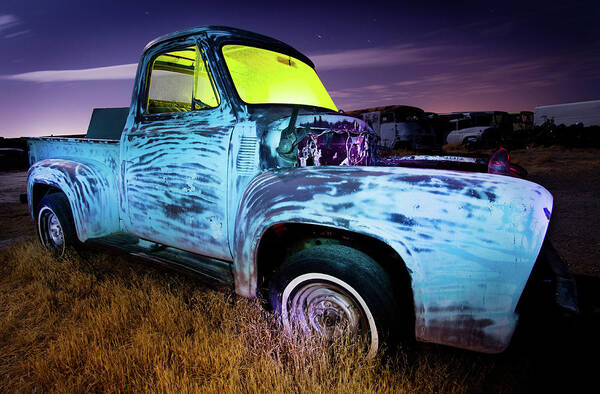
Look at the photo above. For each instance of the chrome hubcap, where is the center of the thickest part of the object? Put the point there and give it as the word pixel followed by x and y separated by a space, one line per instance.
pixel 327 309
pixel 56 233
pixel 50 231
pixel 324 304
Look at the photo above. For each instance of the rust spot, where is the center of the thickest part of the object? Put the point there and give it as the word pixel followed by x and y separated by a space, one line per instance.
pixel 401 219
pixel 473 193
pixel 491 196
pixel 422 250
pixel 173 211
pixel 463 332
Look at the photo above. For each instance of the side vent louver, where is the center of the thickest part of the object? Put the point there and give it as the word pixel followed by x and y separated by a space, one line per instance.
pixel 247 159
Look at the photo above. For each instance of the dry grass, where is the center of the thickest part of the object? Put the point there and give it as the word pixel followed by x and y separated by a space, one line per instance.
pixel 96 322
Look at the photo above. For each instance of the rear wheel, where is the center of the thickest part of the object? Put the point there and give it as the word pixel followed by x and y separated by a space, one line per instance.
pixel 55 227
pixel 330 290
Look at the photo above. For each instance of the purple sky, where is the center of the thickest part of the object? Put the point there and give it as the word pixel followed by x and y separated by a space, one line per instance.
pixel 440 57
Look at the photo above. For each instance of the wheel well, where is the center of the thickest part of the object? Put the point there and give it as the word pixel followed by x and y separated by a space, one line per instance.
pixel 39 191
pixel 283 240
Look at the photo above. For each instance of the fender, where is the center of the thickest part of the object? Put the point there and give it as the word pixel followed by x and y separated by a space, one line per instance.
pixel 91 191
pixel 469 240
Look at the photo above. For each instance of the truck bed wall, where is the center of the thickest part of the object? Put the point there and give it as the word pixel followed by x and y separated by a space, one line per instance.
pixel 87 171
pixel 105 152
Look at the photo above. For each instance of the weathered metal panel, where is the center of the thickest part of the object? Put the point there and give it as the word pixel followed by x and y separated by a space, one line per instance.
pixel 244 164
pixel 103 152
pixel 87 172
pixel 91 190
pixel 175 180
pixel 175 168
pixel 469 241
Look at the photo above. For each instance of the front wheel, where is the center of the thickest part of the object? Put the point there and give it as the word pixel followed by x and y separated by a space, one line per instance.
pixel 330 290
pixel 55 227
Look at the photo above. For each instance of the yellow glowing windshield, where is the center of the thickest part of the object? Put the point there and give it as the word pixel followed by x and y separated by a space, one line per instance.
pixel 266 77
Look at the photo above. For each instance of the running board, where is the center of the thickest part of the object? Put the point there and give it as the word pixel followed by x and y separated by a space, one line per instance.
pixel 213 271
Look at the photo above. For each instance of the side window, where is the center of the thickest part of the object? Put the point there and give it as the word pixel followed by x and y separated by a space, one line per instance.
pixel 180 81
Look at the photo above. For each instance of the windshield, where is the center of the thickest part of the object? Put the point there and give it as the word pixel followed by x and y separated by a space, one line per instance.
pixel 261 76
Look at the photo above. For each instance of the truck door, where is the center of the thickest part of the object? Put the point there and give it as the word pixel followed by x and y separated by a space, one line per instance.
pixel 176 155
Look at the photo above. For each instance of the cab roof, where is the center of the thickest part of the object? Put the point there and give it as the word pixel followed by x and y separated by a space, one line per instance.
pixel 232 34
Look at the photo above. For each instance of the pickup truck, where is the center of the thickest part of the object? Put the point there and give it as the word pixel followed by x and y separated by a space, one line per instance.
pixel 235 163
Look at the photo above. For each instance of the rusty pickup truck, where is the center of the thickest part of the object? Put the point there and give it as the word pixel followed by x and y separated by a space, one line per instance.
pixel 235 163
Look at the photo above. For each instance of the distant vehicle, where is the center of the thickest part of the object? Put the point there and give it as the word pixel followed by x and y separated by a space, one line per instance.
pixel 399 126
pixel 521 120
pixel 443 125
pixel 12 159
pixel 585 112
pixel 479 128
pixel 13 154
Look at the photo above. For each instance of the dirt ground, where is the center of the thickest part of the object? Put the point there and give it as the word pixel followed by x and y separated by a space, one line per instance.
pixel 15 222
pixel 573 178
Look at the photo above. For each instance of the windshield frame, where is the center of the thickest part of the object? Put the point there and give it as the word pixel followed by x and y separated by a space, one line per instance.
pixel 282 49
